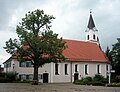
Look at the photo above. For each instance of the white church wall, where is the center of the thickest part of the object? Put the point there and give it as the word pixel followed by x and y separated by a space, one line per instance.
pixel 62 77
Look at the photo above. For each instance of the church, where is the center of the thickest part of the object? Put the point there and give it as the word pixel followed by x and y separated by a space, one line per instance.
pixel 83 58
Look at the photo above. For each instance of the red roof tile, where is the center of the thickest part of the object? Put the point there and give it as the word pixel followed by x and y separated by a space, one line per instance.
pixel 83 51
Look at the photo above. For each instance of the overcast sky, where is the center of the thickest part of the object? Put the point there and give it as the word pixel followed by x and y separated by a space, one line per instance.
pixel 71 19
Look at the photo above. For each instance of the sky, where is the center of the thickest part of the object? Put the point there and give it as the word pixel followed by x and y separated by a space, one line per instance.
pixel 71 19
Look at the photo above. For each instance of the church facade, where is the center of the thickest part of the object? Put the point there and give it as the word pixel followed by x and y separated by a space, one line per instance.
pixel 83 58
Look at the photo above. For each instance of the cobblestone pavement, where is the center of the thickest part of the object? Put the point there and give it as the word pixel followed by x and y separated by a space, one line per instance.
pixel 67 87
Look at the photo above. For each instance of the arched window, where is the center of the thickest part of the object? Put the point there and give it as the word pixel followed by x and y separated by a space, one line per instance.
pixel 97 39
pixel 88 37
pixel 94 36
pixel 76 66
pixel 56 69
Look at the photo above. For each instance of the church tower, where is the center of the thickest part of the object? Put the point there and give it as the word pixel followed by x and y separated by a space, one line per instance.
pixel 91 32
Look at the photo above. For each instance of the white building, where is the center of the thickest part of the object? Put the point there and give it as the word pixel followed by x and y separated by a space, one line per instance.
pixel 83 58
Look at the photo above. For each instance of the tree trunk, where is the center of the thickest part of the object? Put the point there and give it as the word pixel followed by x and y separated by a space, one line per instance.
pixel 35 78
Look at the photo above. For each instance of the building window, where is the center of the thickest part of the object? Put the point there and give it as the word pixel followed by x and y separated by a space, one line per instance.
pixel 40 76
pixel 56 69
pixel 20 77
pixel 97 39
pixel 98 69
pixel 25 64
pixel 66 69
pixel 31 77
pixel 76 66
pixel 23 77
pixel 8 64
pixel 106 67
pixel 86 69
pixel 88 37
pixel 27 77
pixel 94 36
pixel 22 64
pixel 28 64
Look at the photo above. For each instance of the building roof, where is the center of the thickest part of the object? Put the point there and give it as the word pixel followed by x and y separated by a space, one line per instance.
pixel 91 24
pixel 84 51
pixel 81 51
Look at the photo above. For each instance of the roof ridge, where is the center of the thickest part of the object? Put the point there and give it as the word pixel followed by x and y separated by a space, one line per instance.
pixel 79 41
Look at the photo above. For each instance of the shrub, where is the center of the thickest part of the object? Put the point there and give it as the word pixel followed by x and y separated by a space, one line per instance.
pixel 2 74
pixel 105 80
pixel 97 83
pixel 113 85
pixel 79 82
pixel 4 80
pixel 98 80
pixel 87 80
pixel 83 81
pixel 98 77
pixel 11 76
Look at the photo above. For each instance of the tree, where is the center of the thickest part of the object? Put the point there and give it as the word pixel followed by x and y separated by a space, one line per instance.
pixel 36 43
pixel 115 53
pixel 108 54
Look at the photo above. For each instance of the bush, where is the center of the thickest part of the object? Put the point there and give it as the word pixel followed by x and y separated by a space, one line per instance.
pixel 11 76
pixel 98 78
pixel 87 80
pixel 4 80
pixel 97 83
pixel 83 81
pixel 113 85
pixel 79 82
pixel 2 75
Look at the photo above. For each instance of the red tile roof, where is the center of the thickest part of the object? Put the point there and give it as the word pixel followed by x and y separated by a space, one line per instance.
pixel 83 51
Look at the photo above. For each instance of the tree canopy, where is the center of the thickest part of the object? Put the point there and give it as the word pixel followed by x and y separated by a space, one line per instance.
pixel 115 54
pixel 37 42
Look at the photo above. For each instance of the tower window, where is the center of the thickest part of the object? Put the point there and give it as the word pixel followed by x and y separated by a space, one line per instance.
pixel 97 39
pixel 88 37
pixel 94 36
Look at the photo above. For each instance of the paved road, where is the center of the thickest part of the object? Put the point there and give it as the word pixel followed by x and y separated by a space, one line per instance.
pixel 68 87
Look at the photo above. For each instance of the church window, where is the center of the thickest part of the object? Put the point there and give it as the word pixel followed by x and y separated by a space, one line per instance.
pixel 56 69
pixel 98 69
pixel 66 69
pixel 88 37
pixel 86 69
pixel 76 66
pixel 94 36
pixel 106 67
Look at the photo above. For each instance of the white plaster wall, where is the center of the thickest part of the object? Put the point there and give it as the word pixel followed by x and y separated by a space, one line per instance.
pixel 50 69
pixel 29 70
pixel 62 77
pixel 92 69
